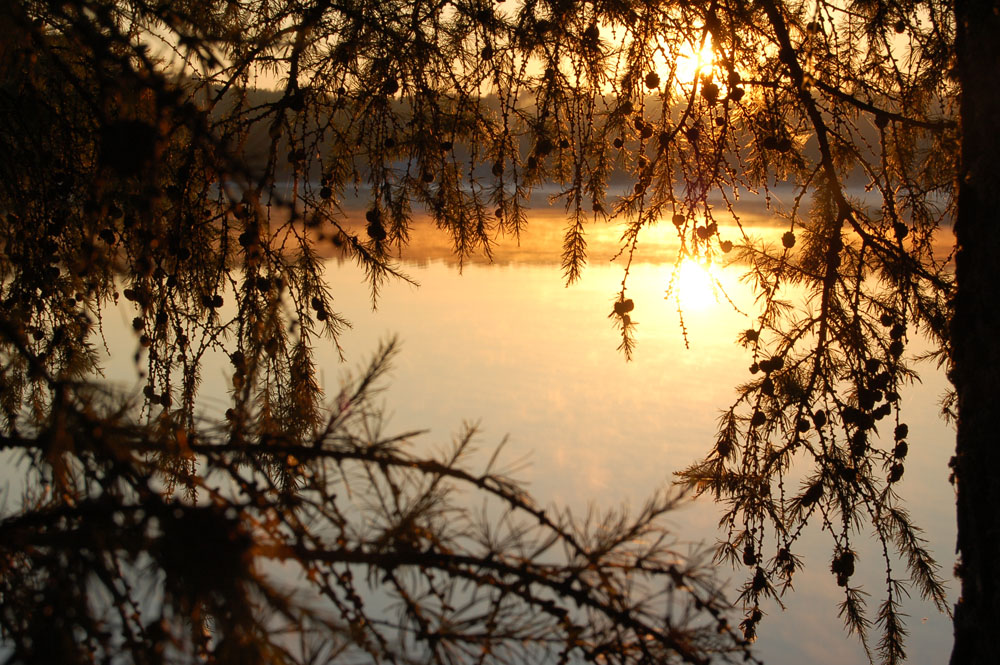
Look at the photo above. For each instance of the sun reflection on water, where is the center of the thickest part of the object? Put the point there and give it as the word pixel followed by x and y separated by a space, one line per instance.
pixel 695 285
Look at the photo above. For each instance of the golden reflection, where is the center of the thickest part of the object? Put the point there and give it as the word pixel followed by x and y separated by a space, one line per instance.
pixel 541 240
pixel 694 284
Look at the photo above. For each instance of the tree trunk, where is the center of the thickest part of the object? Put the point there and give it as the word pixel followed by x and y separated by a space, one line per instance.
pixel 975 334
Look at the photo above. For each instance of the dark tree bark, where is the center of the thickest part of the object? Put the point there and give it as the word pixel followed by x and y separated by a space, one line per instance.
pixel 975 334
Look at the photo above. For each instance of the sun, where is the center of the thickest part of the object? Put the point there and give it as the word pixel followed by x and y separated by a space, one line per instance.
pixel 691 63
pixel 688 59
pixel 693 284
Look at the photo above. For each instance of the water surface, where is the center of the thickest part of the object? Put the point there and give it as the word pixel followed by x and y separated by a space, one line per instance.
pixel 507 345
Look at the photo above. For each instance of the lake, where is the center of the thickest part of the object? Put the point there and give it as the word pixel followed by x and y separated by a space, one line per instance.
pixel 509 346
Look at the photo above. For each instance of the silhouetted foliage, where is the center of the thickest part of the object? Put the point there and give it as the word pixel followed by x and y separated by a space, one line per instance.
pixel 272 548
pixel 198 159
pixel 295 530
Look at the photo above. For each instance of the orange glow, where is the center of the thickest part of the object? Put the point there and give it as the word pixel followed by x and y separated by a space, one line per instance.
pixel 694 284
pixel 687 61
pixel 691 65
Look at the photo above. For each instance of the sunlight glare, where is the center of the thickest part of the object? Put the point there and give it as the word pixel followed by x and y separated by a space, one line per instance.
pixel 693 283
pixel 691 65
pixel 688 64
